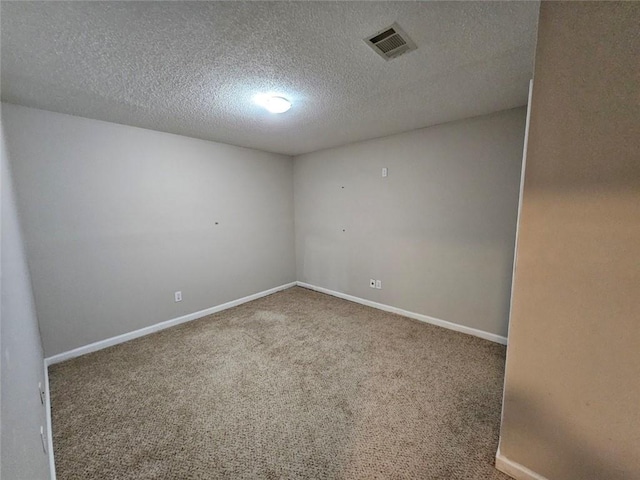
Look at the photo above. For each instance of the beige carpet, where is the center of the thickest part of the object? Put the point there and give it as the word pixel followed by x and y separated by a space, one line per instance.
pixel 296 385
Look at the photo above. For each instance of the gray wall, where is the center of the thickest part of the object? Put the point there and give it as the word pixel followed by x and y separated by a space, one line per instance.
pixel 572 389
pixel 21 412
pixel 117 218
pixel 438 231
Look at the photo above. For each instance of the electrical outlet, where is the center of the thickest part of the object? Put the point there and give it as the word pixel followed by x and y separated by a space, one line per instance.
pixel 372 283
pixel 44 440
pixel 177 296
pixel 42 394
pixel 385 172
pixel 378 284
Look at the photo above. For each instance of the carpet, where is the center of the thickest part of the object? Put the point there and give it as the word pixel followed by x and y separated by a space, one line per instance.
pixel 295 385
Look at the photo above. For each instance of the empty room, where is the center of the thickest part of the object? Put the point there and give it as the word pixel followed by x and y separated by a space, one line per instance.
pixel 320 240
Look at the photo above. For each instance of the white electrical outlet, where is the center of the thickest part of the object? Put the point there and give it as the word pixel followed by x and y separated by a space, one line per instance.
pixel 41 390
pixel 378 284
pixel 372 283
pixel 385 172
pixel 178 296
pixel 44 440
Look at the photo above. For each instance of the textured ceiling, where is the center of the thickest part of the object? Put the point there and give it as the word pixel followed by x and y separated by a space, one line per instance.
pixel 192 68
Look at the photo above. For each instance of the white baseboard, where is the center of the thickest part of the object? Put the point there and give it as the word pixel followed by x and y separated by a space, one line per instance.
pixel 405 313
pixel 47 407
pixel 93 347
pixel 515 470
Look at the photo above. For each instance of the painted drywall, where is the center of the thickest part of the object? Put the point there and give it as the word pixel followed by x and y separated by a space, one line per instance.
pixel 572 390
pixel 21 359
pixel 117 218
pixel 438 231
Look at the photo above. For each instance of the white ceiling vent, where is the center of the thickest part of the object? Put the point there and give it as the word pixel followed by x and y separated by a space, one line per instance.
pixel 390 42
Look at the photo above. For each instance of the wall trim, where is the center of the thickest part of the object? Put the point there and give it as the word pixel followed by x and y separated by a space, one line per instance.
pixel 515 470
pixel 523 167
pixel 47 408
pixel 405 313
pixel 94 347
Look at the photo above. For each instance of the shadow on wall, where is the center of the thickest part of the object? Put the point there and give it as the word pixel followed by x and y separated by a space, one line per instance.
pixel 552 433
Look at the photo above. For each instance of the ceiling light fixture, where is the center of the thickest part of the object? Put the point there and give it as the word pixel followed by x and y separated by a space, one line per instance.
pixel 273 103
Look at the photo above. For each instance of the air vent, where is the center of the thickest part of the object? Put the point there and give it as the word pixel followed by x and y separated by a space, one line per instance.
pixel 390 42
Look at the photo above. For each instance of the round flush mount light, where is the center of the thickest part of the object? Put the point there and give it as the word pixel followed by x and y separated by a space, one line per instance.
pixel 273 103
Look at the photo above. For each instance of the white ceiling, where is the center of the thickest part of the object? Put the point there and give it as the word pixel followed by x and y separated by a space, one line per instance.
pixel 192 68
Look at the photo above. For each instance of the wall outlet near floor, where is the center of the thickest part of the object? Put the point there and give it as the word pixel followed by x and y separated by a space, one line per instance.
pixel 42 394
pixel 43 438
pixel 378 284
pixel 372 283
pixel 177 296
